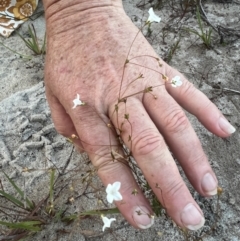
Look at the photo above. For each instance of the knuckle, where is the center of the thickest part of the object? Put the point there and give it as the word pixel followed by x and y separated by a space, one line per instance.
pixel 147 141
pixel 196 159
pixel 106 166
pixel 174 189
pixel 102 158
pixel 188 90
pixel 176 121
pixel 205 107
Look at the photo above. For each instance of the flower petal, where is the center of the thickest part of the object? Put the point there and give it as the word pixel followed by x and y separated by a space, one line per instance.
pixel 107 222
pixel 116 186
pixel 153 17
pixel 176 81
pixel 109 188
pixel 103 228
pixel 176 78
pixel 111 220
pixel 110 198
pixel 117 196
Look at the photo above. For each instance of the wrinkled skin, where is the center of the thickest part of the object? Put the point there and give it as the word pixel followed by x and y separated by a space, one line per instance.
pixel 86 55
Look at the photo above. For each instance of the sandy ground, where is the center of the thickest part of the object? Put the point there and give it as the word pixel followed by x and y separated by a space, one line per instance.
pixel 28 138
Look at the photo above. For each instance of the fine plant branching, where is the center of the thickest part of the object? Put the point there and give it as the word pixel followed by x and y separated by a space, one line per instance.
pixel 187 6
pixel 34 215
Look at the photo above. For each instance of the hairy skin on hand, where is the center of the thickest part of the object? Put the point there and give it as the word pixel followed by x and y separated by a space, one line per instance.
pixel 88 45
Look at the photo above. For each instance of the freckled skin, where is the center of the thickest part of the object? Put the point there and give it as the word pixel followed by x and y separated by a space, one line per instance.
pixel 86 54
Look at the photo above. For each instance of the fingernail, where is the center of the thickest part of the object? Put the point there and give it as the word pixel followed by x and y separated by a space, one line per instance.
pixel 209 184
pixel 226 126
pixel 142 217
pixel 192 218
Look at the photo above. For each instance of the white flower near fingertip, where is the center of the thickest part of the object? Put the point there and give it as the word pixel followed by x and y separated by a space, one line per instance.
pixel 113 193
pixel 107 222
pixel 153 17
pixel 77 102
pixel 176 81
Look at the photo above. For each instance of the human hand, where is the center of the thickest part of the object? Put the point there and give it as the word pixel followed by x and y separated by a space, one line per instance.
pixel 97 52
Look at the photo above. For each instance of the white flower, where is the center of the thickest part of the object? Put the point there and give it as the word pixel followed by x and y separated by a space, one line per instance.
pixel 176 81
pixel 107 222
pixel 153 17
pixel 113 193
pixel 77 102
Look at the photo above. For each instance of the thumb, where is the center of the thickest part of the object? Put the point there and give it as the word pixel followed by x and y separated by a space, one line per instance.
pixel 62 121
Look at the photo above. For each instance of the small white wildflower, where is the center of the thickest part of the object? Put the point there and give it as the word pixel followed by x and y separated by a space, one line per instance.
pixel 153 17
pixel 176 81
pixel 107 222
pixel 113 193
pixel 77 102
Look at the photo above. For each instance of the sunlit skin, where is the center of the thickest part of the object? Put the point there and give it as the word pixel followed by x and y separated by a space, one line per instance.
pixel 89 43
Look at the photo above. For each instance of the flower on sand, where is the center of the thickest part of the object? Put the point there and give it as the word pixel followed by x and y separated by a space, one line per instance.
pixel 77 102
pixel 176 81
pixel 153 17
pixel 107 222
pixel 113 193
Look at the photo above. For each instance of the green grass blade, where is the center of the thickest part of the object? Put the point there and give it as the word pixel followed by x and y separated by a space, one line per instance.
pixel 51 186
pixel 31 33
pixel 35 45
pixel 199 20
pixel 101 211
pixel 27 225
pixel 50 208
pixel 15 52
pixel 193 31
pixel 91 213
pixel 24 40
pixel 31 43
pixel 20 192
pixel 12 199
pixel 43 49
pixel 210 35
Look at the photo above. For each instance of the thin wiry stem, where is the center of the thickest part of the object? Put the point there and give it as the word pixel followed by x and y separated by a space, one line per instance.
pixel 139 77
pixel 143 55
pixel 147 68
pixel 140 30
